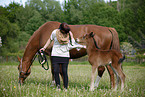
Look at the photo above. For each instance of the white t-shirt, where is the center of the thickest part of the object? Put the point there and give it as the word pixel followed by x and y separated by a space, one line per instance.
pixel 62 50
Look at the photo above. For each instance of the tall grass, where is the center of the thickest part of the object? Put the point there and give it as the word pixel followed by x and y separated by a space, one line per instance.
pixel 38 84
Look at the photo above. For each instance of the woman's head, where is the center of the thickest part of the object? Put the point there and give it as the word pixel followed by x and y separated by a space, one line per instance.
pixel 64 28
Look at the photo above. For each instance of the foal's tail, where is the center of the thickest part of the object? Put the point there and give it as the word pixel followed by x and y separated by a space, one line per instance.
pixel 121 59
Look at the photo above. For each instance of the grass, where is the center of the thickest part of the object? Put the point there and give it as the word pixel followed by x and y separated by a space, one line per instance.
pixel 38 84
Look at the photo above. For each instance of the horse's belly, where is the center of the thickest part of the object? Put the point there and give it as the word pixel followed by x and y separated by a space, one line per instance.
pixel 74 53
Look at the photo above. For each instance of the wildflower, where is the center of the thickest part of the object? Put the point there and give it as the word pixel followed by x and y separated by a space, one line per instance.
pixel 118 96
pixel 129 89
pixel 4 89
pixel 14 86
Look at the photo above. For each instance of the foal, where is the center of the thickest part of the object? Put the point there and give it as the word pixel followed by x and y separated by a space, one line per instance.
pixel 98 57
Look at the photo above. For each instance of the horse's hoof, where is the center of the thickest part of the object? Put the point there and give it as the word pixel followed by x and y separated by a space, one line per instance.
pixel 20 82
pixel 91 89
pixel 115 89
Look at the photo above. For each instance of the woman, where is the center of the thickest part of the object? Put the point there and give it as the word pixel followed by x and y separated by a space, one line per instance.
pixel 63 42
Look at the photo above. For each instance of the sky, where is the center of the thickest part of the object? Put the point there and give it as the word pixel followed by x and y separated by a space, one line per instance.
pixel 6 2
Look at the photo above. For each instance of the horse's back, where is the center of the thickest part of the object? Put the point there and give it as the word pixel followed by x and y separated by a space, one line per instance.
pixel 103 35
pixel 45 31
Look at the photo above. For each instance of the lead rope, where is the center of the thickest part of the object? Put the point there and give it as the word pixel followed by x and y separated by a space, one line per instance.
pixel 42 59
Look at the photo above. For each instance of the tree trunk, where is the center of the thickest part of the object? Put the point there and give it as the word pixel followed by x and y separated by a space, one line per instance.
pixel 118 6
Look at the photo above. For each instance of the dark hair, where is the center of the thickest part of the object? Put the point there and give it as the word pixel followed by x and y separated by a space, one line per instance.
pixel 64 26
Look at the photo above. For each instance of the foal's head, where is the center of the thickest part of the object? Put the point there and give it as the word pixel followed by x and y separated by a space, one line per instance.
pixel 89 40
pixel 85 37
pixel 89 35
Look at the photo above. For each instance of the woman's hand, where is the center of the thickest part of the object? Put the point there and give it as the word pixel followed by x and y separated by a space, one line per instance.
pixel 42 49
pixel 84 46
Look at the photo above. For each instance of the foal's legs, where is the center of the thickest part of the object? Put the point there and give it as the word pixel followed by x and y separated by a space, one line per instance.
pixel 93 77
pixel 122 76
pixel 101 70
pixel 111 73
pixel 118 71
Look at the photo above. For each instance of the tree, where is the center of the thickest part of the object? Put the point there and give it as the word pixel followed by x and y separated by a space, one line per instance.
pixel 49 9
pixel 23 15
pixel 3 11
pixel 12 9
pixel 23 40
pixel 34 23
pixel 9 33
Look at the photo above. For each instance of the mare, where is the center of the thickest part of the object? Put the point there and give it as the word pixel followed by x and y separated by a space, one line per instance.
pixel 40 36
pixel 98 57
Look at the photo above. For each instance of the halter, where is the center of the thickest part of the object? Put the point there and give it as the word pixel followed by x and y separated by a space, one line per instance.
pixel 42 60
pixel 25 73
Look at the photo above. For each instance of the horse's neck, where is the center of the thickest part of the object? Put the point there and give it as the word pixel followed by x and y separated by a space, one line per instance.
pixel 91 48
pixel 29 54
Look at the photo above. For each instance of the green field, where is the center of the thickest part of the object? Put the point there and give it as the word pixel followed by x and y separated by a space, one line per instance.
pixel 38 84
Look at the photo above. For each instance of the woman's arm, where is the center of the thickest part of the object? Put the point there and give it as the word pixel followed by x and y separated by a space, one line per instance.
pixel 74 44
pixel 46 45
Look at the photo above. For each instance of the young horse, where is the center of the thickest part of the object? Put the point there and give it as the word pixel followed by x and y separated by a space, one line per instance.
pixel 98 57
pixel 40 36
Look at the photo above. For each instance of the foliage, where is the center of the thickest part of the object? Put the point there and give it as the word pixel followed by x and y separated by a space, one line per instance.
pixel 126 48
pixel 34 23
pixel 49 9
pixel 8 32
pixel 23 15
pixel 139 45
pixel 140 56
pixel 23 40
pixel 141 51
pixel 12 10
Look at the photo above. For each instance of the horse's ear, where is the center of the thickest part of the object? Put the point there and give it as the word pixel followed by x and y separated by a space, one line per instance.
pixel 85 35
pixel 19 59
pixel 92 34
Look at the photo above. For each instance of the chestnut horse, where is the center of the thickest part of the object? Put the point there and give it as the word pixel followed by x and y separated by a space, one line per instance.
pixel 98 57
pixel 40 36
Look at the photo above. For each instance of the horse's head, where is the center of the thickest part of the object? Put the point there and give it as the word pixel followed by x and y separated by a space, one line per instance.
pixel 85 37
pixel 22 75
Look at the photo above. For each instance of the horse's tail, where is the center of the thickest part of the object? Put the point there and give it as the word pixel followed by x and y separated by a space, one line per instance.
pixel 115 39
pixel 121 59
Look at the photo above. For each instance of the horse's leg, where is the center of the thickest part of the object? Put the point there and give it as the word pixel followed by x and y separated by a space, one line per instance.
pixel 121 75
pixel 93 77
pixel 114 67
pixel 101 70
pixel 111 73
